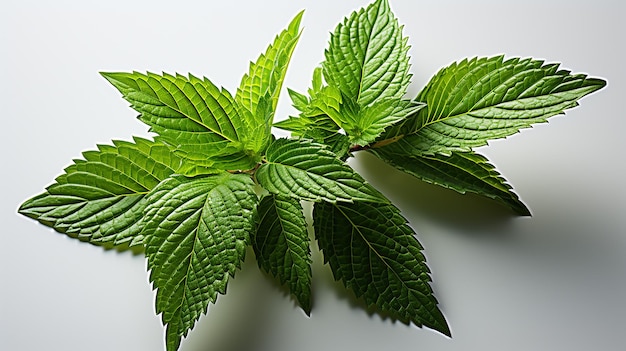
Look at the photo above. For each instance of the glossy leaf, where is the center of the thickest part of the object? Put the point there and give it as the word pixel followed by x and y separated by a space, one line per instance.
pixel 308 171
pixel 281 245
pixel 367 62
pixel 196 234
pixel 100 198
pixel 200 121
pixel 473 101
pixel 374 252
pixel 319 113
pixel 370 122
pixel 367 57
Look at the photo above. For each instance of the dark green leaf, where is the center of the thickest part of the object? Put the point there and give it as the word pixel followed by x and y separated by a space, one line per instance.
pixel 281 245
pixel 460 171
pixel 373 251
pixel 196 232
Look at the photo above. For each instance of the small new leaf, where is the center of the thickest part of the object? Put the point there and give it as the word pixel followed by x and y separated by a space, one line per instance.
pixel 370 122
pixel 196 232
pixel 309 171
pixel 100 199
pixel 373 251
pixel 319 116
pixel 281 245
pixel 473 101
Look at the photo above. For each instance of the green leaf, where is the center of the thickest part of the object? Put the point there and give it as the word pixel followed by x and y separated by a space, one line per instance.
pixel 267 74
pixel 196 233
pixel 476 100
pixel 100 199
pixel 373 251
pixel 199 120
pixel 460 171
pixel 300 101
pixel 367 62
pixel 314 121
pixel 370 122
pixel 281 245
pixel 319 115
pixel 367 57
pixel 309 171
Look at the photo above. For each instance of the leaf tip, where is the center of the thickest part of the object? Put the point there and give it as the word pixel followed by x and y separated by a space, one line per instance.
pixel 522 210
pixel 108 75
pixel 445 329
pixel 118 79
pixel 439 323
pixel 306 306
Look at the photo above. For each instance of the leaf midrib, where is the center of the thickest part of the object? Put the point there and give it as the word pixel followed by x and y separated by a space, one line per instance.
pixel 356 227
pixel 177 109
pixel 196 234
pixel 443 119
pixel 366 53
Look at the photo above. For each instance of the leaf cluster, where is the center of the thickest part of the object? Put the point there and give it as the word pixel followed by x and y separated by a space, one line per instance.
pixel 214 180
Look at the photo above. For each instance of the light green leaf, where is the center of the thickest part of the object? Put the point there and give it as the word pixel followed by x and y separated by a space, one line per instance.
pixel 319 114
pixel 367 62
pixel 196 233
pixel 281 245
pixel 300 101
pixel 461 171
pixel 267 74
pixel 199 120
pixel 314 122
pixel 100 199
pixel 309 171
pixel 328 102
pixel 370 122
pixel 476 100
pixel 373 251
pixel 367 57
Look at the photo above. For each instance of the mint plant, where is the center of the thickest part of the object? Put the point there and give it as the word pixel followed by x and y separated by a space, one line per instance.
pixel 213 180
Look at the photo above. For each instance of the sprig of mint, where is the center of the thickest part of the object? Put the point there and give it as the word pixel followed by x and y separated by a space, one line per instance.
pixel 214 180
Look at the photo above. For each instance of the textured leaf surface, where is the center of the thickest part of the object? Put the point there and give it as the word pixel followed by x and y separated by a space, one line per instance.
pixel 476 100
pixel 367 62
pixel 369 123
pixel 309 171
pixel 267 74
pixel 100 199
pixel 461 171
pixel 196 234
pixel 373 251
pixel 199 120
pixel 281 245
pixel 367 57
pixel 314 122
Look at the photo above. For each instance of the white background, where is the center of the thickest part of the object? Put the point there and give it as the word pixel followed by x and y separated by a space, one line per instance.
pixel 556 280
